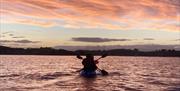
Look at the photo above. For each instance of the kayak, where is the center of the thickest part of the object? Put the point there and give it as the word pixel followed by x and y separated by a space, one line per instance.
pixel 90 73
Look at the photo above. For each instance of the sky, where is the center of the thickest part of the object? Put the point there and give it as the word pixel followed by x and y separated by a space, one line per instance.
pixel 52 23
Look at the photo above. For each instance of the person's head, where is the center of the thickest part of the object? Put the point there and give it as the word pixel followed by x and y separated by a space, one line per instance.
pixel 90 56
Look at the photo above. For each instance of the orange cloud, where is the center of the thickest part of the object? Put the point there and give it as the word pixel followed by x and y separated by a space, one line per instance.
pixel 37 23
pixel 104 14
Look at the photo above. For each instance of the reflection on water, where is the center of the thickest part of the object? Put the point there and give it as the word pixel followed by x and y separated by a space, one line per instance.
pixel 88 84
pixel 59 73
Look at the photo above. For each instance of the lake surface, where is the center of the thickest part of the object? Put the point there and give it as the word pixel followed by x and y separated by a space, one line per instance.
pixel 59 73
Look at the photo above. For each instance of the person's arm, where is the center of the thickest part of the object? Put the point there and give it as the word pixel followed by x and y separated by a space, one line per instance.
pixel 83 61
pixel 96 61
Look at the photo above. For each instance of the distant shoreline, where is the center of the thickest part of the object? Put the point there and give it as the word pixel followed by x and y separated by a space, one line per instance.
pixel 82 55
pixel 61 52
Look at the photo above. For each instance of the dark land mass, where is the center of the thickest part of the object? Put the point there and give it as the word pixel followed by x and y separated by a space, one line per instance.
pixel 114 52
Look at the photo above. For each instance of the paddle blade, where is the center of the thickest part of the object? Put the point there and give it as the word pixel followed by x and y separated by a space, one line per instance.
pixel 78 56
pixel 104 72
pixel 104 55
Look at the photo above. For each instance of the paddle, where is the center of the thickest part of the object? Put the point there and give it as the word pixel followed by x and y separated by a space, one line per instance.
pixel 104 73
pixel 103 56
pixel 79 56
pixel 102 70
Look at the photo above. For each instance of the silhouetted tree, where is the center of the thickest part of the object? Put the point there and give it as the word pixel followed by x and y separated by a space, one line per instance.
pixel 113 52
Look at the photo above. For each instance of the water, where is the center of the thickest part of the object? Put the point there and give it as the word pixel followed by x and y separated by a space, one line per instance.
pixel 59 73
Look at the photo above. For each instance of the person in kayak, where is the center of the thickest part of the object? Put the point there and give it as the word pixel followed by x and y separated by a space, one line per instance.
pixel 89 63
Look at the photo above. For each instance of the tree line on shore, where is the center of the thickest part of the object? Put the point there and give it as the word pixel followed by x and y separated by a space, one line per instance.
pixel 114 52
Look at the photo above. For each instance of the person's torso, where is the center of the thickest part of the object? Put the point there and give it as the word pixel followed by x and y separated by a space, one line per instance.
pixel 89 64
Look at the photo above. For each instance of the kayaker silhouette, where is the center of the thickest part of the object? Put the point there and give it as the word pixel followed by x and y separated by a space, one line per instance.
pixel 89 63
pixel 90 66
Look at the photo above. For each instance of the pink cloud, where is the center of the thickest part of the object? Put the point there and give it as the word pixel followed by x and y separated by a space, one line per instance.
pixel 123 14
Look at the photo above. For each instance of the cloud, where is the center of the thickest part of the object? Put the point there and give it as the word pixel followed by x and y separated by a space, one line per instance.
pixel 177 40
pixel 1 36
pixel 36 22
pixel 26 41
pixel 7 32
pixel 18 37
pixel 100 14
pixel 18 41
pixel 149 39
pixel 96 39
pixel 4 34
pixel 11 34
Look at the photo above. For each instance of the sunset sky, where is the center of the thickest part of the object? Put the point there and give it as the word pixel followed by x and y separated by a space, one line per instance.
pixel 49 23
